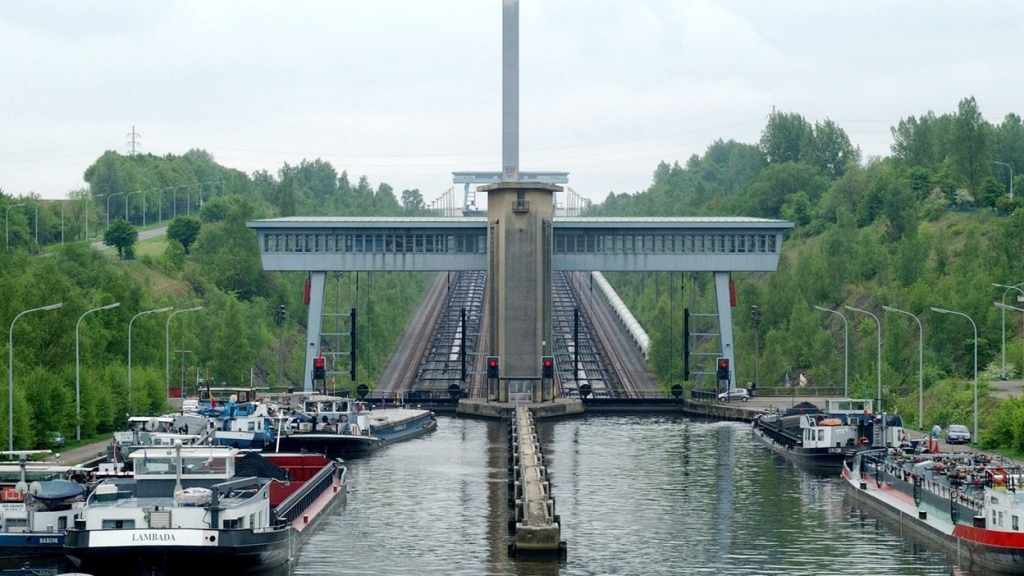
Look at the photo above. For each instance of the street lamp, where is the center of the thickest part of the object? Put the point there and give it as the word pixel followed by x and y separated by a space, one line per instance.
pixel 109 196
pixel 755 318
pixel 1011 175
pixel 1003 311
pixel 7 223
pixel 158 310
pixel 1007 307
pixel 879 324
pixel 167 347
pixel 846 350
pixel 78 371
pixel 920 364
pixel 129 195
pixel 160 208
pixel 174 197
pixel 974 438
pixel 10 373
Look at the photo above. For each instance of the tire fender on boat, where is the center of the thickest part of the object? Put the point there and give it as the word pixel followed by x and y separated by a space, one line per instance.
pixel 343 418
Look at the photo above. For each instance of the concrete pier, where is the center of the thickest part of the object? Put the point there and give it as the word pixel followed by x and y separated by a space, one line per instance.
pixel 537 529
pixel 506 410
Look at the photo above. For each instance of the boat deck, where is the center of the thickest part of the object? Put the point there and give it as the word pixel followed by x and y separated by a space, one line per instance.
pixel 903 503
pixel 159 502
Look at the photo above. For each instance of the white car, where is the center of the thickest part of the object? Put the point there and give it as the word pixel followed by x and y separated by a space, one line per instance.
pixel 741 394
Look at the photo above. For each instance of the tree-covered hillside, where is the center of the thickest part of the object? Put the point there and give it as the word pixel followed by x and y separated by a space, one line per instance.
pixel 931 225
pixel 250 327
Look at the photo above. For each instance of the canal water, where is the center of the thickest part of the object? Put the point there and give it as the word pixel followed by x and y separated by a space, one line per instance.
pixel 645 495
pixel 649 495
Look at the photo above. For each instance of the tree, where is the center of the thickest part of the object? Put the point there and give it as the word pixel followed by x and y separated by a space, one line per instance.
pixel 915 141
pixel 184 229
pixel 1008 146
pixel 412 201
pixel 216 209
pixel 969 145
pixel 784 138
pixel 122 235
pixel 831 150
pixel 286 196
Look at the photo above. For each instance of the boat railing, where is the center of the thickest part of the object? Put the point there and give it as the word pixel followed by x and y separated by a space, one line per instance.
pixel 293 506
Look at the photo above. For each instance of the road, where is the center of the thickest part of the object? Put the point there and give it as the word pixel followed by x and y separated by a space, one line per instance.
pixel 80 454
pixel 143 235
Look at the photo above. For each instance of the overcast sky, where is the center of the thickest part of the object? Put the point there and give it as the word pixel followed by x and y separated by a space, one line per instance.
pixel 406 92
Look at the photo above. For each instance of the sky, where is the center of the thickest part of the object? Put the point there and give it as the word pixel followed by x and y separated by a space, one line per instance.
pixel 407 92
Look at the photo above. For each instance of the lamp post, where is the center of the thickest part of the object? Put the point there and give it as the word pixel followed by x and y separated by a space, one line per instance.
pixel 846 350
pixel 1007 307
pixel 174 198
pixel 155 311
pixel 879 324
pixel 1003 324
pixel 160 208
pixel 755 318
pixel 10 373
pixel 920 364
pixel 1011 175
pixel 167 347
pixel 129 195
pixel 78 371
pixel 974 438
pixel 7 223
pixel 109 196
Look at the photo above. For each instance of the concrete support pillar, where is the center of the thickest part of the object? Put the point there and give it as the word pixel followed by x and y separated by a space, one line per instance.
pixel 724 300
pixel 519 269
pixel 313 321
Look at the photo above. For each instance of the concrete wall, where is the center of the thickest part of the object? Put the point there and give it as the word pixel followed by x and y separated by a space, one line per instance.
pixel 519 278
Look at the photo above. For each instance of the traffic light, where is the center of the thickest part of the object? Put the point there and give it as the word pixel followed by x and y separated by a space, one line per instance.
pixel 723 368
pixel 547 367
pixel 319 368
pixel 492 366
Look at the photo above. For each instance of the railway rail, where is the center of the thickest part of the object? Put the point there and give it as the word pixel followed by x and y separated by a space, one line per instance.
pixel 428 360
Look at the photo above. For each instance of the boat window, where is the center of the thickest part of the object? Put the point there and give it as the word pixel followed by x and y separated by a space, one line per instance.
pixel 111 524
pixel 1016 522
pixel 62 523
pixel 231 524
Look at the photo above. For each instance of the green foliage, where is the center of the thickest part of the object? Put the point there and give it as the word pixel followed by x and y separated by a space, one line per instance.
pixel 184 230
pixel 786 138
pixel 173 260
pixel 969 144
pixel 904 231
pixel 121 235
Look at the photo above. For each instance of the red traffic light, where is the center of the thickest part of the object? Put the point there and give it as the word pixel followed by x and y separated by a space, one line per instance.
pixel 723 369
pixel 492 366
pixel 547 367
